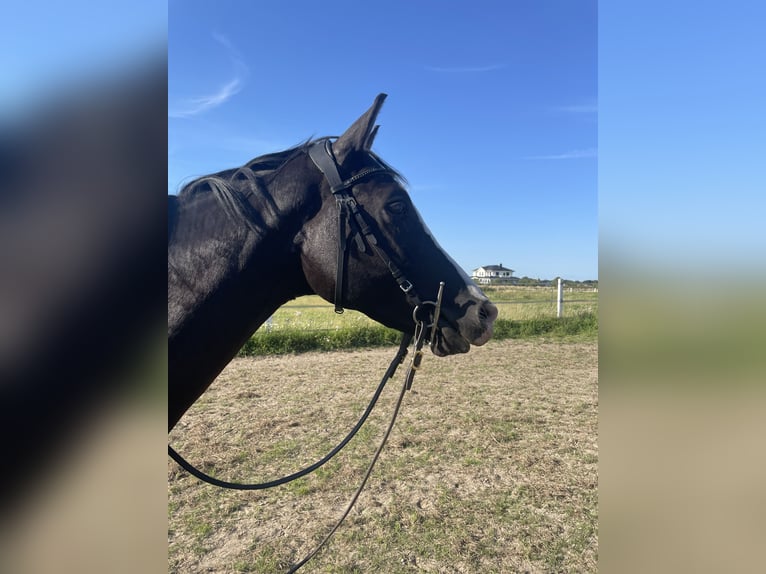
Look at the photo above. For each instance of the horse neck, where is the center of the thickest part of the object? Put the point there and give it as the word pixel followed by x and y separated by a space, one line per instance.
pixel 224 281
pixel 239 242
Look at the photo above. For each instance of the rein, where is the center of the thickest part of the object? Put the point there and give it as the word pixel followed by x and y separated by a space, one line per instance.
pixel 406 386
pixel 191 469
pixel 421 329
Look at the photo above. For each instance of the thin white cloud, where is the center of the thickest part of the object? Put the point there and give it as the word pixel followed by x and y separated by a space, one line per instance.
pixel 235 56
pixel 464 69
pixel 194 106
pixel 226 43
pixel 189 107
pixel 588 153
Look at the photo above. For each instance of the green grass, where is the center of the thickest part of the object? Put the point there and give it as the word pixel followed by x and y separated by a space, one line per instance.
pixel 310 323
pixel 263 560
pixel 296 340
pixel 585 325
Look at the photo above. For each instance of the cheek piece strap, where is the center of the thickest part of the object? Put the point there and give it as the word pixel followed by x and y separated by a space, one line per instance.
pixel 351 217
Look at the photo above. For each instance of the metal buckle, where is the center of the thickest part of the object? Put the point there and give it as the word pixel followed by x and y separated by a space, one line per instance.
pixel 422 322
pixel 344 198
pixel 406 286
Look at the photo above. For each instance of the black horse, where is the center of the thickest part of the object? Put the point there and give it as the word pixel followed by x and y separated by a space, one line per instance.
pixel 244 241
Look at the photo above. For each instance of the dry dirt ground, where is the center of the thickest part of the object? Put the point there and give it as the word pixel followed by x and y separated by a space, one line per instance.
pixel 492 465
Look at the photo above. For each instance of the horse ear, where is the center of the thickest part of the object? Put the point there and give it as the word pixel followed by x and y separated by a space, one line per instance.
pixel 361 133
pixel 370 138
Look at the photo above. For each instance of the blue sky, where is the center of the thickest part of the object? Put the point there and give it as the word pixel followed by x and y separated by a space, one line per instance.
pixel 682 137
pixel 491 115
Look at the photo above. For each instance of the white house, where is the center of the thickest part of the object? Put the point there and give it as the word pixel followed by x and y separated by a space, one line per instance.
pixel 489 274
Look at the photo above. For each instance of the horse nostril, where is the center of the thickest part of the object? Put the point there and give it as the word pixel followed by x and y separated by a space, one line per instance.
pixel 487 312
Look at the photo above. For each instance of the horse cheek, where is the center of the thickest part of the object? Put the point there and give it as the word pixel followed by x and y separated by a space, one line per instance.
pixel 317 258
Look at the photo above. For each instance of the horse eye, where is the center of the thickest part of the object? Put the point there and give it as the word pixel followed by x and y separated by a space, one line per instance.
pixel 397 207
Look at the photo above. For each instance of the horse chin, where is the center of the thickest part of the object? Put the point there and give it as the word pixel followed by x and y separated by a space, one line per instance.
pixel 450 342
pixel 484 337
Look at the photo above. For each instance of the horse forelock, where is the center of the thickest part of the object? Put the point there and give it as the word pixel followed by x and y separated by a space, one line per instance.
pixel 400 179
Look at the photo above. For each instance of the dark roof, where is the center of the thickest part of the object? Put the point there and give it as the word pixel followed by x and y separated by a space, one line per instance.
pixel 495 268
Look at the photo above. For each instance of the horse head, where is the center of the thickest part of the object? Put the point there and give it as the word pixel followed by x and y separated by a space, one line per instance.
pixel 368 246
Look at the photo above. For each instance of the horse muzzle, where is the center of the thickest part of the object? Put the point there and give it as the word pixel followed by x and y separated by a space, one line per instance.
pixel 457 331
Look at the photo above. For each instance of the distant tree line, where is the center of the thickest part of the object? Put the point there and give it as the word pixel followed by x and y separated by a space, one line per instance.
pixel 531 282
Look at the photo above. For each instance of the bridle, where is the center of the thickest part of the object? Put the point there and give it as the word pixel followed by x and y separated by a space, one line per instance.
pixel 349 215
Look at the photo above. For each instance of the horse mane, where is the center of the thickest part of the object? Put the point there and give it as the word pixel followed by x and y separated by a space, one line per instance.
pixel 231 186
pixel 257 168
pixel 264 166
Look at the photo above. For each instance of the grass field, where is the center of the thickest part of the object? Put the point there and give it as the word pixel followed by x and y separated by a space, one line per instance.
pixel 310 323
pixel 514 303
pixel 492 466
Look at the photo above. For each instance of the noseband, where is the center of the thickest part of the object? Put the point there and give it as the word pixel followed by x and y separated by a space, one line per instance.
pixel 350 216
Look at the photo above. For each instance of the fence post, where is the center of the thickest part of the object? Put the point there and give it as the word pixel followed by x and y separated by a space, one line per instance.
pixel 560 301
